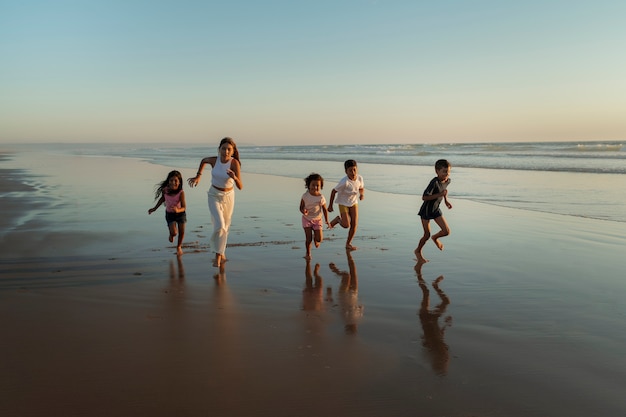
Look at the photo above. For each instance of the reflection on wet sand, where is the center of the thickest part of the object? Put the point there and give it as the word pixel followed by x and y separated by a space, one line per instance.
pixel 313 293
pixel 176 289
pixel 433 338
pixel 177 272
pixel 226 351
pixel 351 310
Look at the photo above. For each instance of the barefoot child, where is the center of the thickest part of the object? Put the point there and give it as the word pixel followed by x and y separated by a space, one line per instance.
pixel 348 191
pixel 432 197
pixel 171 193
pixel 312 206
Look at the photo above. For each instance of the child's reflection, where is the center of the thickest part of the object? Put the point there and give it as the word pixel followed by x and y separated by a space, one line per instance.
pixel 177 272
pixel 313 293
pixel 348 294
pixel 433 338
pixel 177 279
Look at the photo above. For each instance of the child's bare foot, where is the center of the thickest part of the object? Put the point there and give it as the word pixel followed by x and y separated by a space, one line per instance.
pixel 317 244
pixel 420 257
pixel 307 256
pixel 350 247
pixel 179 251
pixel 438 243
pixel 171 239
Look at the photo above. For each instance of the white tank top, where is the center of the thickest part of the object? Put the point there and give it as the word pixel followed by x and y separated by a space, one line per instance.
pixel 219 177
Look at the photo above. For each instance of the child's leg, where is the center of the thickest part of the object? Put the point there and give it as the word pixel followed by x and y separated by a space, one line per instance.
pixel 343 219
pixel 423 240
pixel 172 228
pixel 445 231
pixel 308 234
pixel 318 237
pixel 181 236
pixel 353 214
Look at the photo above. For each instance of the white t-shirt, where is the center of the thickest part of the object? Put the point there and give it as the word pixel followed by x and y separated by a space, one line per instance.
pixel 348 191
pixel 313 204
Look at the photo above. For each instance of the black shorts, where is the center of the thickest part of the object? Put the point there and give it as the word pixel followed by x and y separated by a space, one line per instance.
pixel 179 218
pixel 432 215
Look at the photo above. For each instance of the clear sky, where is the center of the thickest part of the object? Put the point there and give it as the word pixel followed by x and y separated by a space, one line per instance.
pixel 307 72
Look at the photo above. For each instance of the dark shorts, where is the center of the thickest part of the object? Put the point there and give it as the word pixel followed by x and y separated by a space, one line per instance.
pixel 179 218
pixel 431 216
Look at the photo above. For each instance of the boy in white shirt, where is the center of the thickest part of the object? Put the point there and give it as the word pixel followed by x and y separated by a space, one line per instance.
pixel 348 192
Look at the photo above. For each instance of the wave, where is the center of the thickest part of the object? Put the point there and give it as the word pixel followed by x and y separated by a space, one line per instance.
pixel 599 147
pixel 579 157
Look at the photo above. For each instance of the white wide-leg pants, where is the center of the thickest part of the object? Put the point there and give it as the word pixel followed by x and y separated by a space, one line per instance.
pixel 221 206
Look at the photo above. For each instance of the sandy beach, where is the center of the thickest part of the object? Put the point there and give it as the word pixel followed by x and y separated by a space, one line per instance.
pixel 522 314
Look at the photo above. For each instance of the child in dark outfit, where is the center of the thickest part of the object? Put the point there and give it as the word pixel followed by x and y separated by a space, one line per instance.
pixel 432 197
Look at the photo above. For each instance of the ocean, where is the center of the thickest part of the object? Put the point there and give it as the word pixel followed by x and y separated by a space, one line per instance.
pixel 584 179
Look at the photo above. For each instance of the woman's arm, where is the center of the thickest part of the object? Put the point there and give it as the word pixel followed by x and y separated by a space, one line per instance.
pixel 196 180
pixel 235 173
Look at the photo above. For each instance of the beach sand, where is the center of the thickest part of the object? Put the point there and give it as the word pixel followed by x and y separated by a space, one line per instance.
pixel 522 314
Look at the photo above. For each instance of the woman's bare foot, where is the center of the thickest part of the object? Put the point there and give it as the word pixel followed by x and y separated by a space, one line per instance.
pixel 218 260
pixel 317 244
pixel 350 247
pixel 171 239
pixel 307 256
pixel 179 251
pixel 438 243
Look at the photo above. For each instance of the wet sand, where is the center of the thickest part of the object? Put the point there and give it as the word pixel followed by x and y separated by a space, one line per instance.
pixel 522 314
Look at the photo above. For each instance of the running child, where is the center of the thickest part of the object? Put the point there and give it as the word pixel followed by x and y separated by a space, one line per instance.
pixel 348 191
pixel 435 192
pixel 312 207
pixel 171 193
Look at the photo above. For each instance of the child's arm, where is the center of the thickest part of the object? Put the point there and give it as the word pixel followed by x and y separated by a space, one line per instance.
pixel 183 203
pixel 325 211
pixel 303 210
pixel 158 204
pixel 445 199
pixel 332 199
pixel 361 193
pixel 428 197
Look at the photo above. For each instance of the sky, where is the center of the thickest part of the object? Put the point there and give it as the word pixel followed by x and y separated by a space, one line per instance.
pixel 312 72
